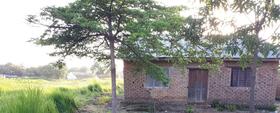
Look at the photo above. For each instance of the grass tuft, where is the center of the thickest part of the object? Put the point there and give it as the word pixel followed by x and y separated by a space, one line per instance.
pixel 26 101
pixel 95 88
pixel 64 101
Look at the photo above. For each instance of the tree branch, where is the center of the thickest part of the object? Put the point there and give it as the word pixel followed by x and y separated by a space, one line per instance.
pixel 259 23
pixel 132 49
pixel 118 30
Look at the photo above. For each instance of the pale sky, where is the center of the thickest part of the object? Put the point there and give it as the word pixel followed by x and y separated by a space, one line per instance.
pixel 15 32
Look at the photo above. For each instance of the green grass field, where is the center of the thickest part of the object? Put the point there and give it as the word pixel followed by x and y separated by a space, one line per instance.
pixel 57 96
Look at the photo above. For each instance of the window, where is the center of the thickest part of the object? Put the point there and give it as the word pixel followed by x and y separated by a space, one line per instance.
pixel 240 77
pixel 153 83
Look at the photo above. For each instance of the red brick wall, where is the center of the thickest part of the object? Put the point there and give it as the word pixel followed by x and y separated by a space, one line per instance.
pixel 278 86
pixel 218 85
pixel 135 90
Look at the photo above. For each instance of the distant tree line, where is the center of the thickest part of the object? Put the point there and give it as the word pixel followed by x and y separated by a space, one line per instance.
pixel 52 71
pixel 46 71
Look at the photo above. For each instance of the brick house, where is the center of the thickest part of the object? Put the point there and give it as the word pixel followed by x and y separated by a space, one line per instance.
pixel 196 85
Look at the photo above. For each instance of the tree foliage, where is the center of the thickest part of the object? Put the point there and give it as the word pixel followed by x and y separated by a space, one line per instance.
pixel 100 69
pixel 82 28
pixel 109 29
pixel 11 69
pixel 246 40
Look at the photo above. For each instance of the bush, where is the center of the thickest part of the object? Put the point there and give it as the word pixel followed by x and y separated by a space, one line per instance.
pixel 26 101
pixel 221 107
pixel 95 88
pixel 64 102
pixel 189 109
pixel 231 107
pixel 268 108
pixel 242 107
pixel 215 103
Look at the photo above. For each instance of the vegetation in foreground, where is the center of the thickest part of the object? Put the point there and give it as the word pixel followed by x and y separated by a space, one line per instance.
pixel 219 106
pixel 41 96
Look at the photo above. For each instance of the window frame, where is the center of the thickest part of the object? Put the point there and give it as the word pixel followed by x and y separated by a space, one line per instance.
pixel 245 73
pixel 146 85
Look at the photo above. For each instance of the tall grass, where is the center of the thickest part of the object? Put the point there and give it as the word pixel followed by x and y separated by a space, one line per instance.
pixel 64 101
pixel 26 101
pixel 16 96
pixel 95 88
pixel 33 100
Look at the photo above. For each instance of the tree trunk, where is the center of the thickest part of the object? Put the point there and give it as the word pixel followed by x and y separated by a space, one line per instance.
pixel 258 27
pixel 113 76
pixel 253 82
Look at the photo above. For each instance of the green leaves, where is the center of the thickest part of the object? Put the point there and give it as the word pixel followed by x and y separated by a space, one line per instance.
pixel 157 73
pixel 214 4
pixel 246 39
pixel 275 12
pixel 243 5
pixel 141 29
pixel 194 30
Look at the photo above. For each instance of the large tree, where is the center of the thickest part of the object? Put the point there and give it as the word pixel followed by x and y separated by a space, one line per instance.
pixel 244 40
pixel 107 29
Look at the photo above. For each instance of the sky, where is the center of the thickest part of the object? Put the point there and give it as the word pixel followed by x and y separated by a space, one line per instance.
pixel 15 32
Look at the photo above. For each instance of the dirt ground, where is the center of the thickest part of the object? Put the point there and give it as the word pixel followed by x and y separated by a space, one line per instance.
pixel 93 108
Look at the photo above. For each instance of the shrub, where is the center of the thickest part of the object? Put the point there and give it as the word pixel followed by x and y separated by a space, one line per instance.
pixel 215 103
pixel 221 107
pixel 26 101
pixel 90 88
pixel 268 108
pixel 103 100
pixel 230 107
pixel 64 102
pixel 95 88
pixel 242 107
pixel 189 109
